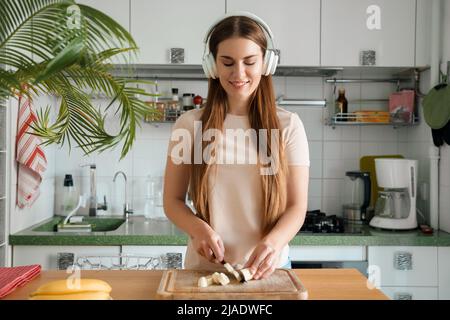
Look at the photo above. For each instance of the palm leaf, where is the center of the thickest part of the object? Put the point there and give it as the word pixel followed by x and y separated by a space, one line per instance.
pixel 46 45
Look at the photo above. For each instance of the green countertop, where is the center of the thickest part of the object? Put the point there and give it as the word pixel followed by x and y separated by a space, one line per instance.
pixel 138 231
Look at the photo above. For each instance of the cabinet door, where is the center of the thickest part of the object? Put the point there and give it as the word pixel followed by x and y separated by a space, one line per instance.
pixel 444 273
pixel 403 266
pixel 350 26
pixel 47 256
pixel 411 293
pixel 159 25
pixel 295 25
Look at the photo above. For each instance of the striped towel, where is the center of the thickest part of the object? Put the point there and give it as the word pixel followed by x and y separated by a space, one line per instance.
pixel 30 158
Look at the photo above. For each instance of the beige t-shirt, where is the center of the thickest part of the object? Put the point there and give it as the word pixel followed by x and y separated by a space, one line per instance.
pixel 234 186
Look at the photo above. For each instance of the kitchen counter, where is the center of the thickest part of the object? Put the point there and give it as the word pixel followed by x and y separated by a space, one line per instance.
pixel 322 284
pixel 137 231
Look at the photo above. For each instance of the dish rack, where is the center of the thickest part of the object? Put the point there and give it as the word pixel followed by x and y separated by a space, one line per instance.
pixel 128 262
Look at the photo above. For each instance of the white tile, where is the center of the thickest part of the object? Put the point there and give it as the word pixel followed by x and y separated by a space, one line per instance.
pixel 351 133
pixel 332 134
pixel 332 205
pixel 314 203
pixel 154 131
pixel 444 167
pixel 369 149
pixel 279 84
pixel 151 148
pixel 148 166
pixel 388 148
pixel 109 162
pixel 315 188
pixel 350 150
pixel 315 150
pixel 379 133
pixel 350 165
pixel 315 170
pixel 333 169
pixel 313 131
pixel 332 150
pixel 332 188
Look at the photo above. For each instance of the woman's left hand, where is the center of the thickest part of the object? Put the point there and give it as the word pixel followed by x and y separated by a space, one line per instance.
pixel 263 261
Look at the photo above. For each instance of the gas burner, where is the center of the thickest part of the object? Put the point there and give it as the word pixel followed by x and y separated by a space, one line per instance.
pixel 319 222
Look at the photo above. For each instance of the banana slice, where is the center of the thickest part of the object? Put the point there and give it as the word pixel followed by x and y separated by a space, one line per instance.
pixel 223 279
pixel 231 270
pixel 246 274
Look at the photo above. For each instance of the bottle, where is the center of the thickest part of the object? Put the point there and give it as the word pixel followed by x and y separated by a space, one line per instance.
pixel 188 103
pixel 198 101
pixel 69 196
pixel 341 106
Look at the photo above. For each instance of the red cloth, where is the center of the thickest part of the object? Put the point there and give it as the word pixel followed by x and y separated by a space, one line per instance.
pixel 30 157
pixel 12 278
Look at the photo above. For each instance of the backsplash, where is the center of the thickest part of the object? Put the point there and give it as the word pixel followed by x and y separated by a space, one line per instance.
pixel 332 151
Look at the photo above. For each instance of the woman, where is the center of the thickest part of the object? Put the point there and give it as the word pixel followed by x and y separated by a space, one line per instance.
pixel 246 212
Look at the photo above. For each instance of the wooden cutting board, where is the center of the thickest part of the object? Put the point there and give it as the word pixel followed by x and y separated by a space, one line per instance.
pixel 182 284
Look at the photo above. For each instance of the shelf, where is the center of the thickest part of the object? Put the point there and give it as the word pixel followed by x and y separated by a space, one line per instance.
pixel 350 119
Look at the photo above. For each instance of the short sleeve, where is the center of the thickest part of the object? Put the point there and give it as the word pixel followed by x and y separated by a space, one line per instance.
pixel 297 149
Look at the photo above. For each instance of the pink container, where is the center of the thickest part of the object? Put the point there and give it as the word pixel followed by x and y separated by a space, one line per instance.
pixel 401 106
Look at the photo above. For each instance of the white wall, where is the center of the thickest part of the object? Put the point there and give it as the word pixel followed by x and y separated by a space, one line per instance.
pixel 42 208
pixel 444 167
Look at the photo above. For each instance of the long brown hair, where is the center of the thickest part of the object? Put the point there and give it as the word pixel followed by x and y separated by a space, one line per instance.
pixel 262 115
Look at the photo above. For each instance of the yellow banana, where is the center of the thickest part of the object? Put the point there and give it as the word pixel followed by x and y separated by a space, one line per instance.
pixel 73 296
pixel 62 287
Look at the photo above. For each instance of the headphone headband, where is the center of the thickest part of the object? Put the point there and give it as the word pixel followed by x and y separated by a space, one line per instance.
pixel 271 55
pixel 250 15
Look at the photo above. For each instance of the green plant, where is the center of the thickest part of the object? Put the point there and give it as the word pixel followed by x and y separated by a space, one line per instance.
pixel 66 49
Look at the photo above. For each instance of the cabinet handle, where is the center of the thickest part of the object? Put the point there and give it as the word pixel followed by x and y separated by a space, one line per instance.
pixel 403 260
pixel 64 260
pixel 402 296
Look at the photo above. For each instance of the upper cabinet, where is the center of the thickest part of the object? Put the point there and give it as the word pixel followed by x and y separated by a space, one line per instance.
pixel 295 25
pixel 159 25
pixel 384 26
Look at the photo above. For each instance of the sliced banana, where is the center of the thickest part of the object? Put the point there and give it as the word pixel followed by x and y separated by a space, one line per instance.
pixel 231 270
pixel 202 282
pixel 246 274
pixel 223 279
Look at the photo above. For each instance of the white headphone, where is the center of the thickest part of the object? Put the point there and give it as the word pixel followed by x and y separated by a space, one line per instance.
pixel 270 56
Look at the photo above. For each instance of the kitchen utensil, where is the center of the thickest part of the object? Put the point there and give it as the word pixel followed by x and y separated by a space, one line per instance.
pixel 367 163
pixel 356 196
pixel 436 106
pixel 182 284
pixel 396 204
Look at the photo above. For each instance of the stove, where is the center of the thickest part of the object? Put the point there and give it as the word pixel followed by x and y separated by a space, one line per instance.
pixel 318 222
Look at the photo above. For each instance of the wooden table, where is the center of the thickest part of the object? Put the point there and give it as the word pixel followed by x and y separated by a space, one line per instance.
pixel 322 284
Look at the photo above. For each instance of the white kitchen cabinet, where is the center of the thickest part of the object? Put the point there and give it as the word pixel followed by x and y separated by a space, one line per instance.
pixel 410 266
pixel 444 273
pixel 46 256
pixel 350 26
pixel 423 33
pixel 411 293
pixel 152 251
pixel 327 253
pixel 159 25
pixel 295 25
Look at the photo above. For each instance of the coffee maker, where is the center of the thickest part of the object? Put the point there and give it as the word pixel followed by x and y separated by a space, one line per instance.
pixel 356 197
pixel 395 207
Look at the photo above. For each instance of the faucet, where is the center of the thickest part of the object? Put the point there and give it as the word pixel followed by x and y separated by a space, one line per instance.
pixel 93 205
pixel 126 210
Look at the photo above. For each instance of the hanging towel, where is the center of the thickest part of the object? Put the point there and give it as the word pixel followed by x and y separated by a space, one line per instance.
pixel 31 161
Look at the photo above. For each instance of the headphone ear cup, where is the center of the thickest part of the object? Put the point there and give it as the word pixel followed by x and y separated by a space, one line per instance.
pixel 274 64
pixel 212 66
pixel 268 62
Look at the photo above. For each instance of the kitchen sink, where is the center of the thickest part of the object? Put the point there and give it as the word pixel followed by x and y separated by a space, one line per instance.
pixel 97 224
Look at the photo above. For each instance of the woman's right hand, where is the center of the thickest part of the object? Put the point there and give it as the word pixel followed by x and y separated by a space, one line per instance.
pixel 208 243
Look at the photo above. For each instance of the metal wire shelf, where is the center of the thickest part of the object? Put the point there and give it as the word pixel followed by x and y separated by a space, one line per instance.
pixel 400 119
pixel 122 262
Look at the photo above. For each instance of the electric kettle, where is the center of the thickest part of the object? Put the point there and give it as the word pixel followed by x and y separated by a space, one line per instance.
pixel 356 196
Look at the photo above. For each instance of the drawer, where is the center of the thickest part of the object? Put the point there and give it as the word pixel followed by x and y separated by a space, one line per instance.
pixel 327 253
pixel 403 266
pixel 411 293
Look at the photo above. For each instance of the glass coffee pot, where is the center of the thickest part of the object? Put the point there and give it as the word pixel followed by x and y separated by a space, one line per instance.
pixel 392 203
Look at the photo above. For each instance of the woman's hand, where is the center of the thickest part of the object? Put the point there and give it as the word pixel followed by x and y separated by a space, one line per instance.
pixel 263 260
pixel 208 243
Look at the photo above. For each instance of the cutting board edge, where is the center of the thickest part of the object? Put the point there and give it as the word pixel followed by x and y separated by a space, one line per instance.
pixel 163 294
